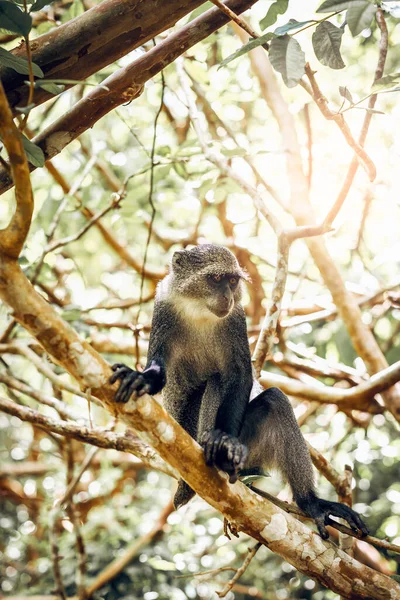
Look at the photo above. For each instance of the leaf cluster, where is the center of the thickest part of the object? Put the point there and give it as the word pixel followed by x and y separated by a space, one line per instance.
pixel 285 52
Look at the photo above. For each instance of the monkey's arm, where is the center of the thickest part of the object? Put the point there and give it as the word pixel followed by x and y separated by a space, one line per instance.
pixel 153 378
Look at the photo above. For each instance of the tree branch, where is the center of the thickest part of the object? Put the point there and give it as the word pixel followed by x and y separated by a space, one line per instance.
pixel 358 397
pixel 125 84
pixel 383 47
pixel 12 238
pixel 124 442
pixel 100 36
pixel 266 523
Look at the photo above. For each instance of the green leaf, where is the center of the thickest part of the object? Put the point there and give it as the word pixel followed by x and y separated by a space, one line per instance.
pixel 33 153
pixel 74 82
pixel 344 92
pixel 49 86
pixel 326 41
pixel 200 10
pixel 249 479
pixel 234 152
pixel 39 4
pixel 290 26
pixel 164 150
pixel 359 17
pixel 71 314
pixel 25 110
pixel 287 58
pixel 263 39
pixel 248 476
pixel 14 19
pixel 277 8
pixel 386 83
pixel 336 5
pixel 370 110
pixel 18 64
pixel 180 170
pixel 23 261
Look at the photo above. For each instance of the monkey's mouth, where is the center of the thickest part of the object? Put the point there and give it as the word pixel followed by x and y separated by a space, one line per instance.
pixel 221 311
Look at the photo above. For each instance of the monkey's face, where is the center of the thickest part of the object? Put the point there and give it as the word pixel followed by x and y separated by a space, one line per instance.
pixel 224 291
pixel 206 282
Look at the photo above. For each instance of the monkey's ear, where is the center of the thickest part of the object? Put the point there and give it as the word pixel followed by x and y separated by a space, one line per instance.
pixel 178 259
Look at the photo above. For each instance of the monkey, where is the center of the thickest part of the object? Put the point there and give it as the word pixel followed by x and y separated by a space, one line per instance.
pixel 199 357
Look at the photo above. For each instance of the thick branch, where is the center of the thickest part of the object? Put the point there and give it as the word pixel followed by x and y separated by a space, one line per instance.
pixel 12 238
pixel 95 39
pixel 125 84
pixel 358 397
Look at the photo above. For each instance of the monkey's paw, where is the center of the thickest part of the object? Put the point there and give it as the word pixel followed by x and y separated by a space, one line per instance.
pixel 225 452
pixel 130 381
pixel 321 511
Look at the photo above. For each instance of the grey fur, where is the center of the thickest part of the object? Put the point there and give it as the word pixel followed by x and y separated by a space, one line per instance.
pixel 205 347
pixel 199 357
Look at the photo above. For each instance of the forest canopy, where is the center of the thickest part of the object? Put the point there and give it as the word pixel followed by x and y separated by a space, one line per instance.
pixel 132 129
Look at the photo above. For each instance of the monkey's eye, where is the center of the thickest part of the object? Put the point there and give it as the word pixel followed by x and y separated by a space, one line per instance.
pixel 233 281
pixel 217 277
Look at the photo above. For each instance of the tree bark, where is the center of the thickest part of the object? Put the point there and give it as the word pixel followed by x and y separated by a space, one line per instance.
pixel 125 85
pixel 92 41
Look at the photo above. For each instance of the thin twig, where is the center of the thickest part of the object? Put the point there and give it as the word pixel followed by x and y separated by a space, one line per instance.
pixel 153 214
pixel 309 144
pixel 346 542
pixel 268 331
pixel 383 47
pixel 113 204
pixel 31 76
pixel 234 17
pixel 103 438
pixel 251 554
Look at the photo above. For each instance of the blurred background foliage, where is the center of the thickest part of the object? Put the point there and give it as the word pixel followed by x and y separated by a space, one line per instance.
pixel 119 499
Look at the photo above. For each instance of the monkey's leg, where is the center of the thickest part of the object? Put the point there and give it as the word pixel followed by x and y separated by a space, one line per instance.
pixel 185 410
pixel 221 449
pixel 274 440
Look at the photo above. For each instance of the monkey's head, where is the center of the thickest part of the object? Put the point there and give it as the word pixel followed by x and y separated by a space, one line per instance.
pixel 208 279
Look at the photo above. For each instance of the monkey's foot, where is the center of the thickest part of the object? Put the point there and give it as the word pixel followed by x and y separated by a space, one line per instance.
pixel 131 381
pixel 321 511
pixel 183 494
pixel 225 452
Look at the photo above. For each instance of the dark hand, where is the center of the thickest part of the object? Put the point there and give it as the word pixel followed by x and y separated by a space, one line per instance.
pixel 151 381
pixel 224 451
pixel 320 510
